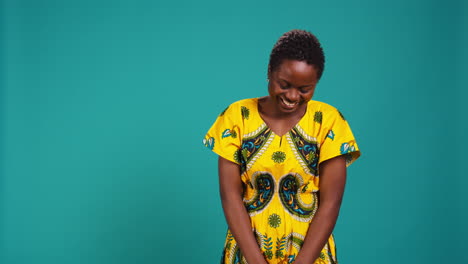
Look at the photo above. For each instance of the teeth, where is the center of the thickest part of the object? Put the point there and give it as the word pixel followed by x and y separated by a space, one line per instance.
pixel 287 103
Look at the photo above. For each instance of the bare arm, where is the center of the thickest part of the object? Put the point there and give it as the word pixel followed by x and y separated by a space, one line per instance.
pixel 236 215
pixel 332 183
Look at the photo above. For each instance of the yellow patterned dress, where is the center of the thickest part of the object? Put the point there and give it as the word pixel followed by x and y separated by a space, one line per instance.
pixel 280 173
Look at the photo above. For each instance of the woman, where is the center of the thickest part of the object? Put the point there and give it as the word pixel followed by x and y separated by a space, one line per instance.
pixel 279 156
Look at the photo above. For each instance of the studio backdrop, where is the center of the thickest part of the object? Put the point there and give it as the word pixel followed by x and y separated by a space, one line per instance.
pixel 104 105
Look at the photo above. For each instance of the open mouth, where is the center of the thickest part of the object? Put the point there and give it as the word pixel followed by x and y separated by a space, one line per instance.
pixel 287 103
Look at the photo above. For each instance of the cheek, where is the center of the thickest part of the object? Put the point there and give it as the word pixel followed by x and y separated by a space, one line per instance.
pixel 309 96
pixel 272 89
pixel 269 88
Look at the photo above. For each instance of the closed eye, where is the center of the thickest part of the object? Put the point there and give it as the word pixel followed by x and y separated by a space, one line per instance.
pixel 284 86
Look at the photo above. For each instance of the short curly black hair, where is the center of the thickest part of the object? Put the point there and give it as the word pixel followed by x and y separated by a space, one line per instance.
pixel 298 45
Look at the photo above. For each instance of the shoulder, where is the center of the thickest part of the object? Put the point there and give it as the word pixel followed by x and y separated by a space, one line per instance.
pixel 324 113
pixel 323 108
pixel 241 107
pixel 249 102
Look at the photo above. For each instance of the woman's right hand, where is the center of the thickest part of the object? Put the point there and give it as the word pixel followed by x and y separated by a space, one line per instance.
pixel 230 187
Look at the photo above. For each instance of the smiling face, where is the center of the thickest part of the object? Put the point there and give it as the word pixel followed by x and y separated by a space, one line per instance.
pixel 291 86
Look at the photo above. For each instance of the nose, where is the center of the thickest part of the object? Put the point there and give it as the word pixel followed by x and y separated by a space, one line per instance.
pixel 292 95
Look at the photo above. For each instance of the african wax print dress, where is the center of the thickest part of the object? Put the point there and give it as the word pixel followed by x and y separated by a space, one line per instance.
pixel 280 174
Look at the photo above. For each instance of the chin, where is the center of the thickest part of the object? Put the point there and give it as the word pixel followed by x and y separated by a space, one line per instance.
pixel 285 110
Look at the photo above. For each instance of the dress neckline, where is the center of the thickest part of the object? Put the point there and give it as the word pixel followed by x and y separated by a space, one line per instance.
pixel 256 102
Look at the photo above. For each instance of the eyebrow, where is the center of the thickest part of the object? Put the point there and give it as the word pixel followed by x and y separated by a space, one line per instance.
pixel 304 86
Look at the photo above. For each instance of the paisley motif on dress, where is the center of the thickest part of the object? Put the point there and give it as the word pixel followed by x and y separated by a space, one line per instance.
pixel 291 188
pixel 253 146
pixel 305 148
pixel 263 185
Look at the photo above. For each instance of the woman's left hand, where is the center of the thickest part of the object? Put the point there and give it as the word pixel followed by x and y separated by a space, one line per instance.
pixel 332 183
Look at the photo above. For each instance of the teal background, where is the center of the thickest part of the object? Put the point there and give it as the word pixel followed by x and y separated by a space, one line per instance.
pixel 104 105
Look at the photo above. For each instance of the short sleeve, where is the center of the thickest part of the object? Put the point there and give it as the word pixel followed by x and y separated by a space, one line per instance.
pixel 224 136
pixel 338 139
